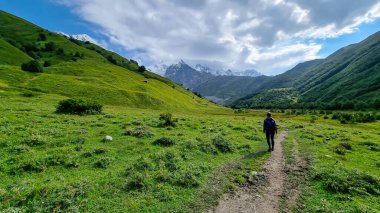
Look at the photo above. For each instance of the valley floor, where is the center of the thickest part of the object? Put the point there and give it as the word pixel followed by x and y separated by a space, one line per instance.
pixel 55 162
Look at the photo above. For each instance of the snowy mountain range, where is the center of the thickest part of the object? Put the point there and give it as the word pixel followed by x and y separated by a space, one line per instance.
pixel 214 68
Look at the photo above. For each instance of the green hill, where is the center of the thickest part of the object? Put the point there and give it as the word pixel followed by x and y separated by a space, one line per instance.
pixel 74 68
pixel 349 77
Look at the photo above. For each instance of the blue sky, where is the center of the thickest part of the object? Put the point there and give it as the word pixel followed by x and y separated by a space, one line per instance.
pixel 263 36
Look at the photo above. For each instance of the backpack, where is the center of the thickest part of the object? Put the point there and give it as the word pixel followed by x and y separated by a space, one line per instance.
pixel 271 124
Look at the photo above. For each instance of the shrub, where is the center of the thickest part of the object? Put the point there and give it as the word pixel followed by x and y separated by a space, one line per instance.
pixel 28 94
pixel 371 146
pixel 346 118
pixel 142 164
pixel 50 46
pixel 60 51
pixel 187 177
pixel 208 147
pixel 47 64
pixel 30 166
pixel 342 148
pixel 222 144
pixel 79 106
pixel 164 142
pixel 72 163
pixel 29 47
pixel 42 37
pixel 168 119
pixel 32 66
pixel 94 152
pixel 345 145
pixel 34 140
pixel 139 132
pixel 111 59
pixel 137 182
pixel 169 160
pixel 55 160
pixel 103 163
pixel 141 69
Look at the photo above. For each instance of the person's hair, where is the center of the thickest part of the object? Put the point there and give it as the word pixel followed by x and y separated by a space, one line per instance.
pixel 269 114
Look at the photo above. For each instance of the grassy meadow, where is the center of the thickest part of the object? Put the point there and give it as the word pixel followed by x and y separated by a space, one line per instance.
pixel 57 162
pixel 341 164
pixel 52 162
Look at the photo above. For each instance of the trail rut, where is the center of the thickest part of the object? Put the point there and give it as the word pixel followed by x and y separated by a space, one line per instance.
pixel 265 198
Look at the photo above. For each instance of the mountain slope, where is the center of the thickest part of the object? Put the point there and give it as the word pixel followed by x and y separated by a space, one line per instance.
pixel 186 75
pixel 82 69
pixel 351 74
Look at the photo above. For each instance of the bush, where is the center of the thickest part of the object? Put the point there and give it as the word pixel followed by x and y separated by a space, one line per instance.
pixel 139 132
pixel 345 145
pixel 103 163
pixel 164 142
pixel 50 46
pixel 47 64
pixel 60 51
pixel 168 119
pixel 94 152
pixel 188 177
pixel 222 144
pixel 30 166
pixel 137 182
pixel 169 160
pixel 346 118
pixel 34 140
pixel 142 164
pixel 141 69
pixel 42 37
pixel 32 66
pixel 208 147
pixel 79 106
pixel 342 148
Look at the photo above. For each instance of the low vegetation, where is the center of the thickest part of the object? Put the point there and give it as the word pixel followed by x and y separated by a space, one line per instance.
pixel 33 66
pixel 79 107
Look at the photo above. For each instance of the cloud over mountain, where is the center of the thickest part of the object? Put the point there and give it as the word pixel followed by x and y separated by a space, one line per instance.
pixel 267 35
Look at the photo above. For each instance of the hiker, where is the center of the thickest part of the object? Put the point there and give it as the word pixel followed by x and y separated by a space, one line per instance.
pixel 270 129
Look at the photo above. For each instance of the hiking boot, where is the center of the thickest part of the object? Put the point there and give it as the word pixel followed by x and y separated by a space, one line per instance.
pixel 272 148
pixel 269 149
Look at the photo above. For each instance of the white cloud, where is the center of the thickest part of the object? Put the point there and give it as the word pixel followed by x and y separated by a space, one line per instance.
pixel 265 35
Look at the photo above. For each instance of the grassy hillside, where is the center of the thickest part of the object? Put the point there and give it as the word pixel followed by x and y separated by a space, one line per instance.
pixel 348 78
pixel 352 73
pixel 11 55
pixel 74 68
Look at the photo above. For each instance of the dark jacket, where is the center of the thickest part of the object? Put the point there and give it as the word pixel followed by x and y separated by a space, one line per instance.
pixel 270 125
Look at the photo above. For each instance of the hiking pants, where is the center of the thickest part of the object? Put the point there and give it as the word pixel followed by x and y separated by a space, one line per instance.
pixel 270 137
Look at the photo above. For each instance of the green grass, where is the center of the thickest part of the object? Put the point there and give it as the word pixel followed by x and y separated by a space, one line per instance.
pixel 11 55
pixel 338 179
pixel 46 156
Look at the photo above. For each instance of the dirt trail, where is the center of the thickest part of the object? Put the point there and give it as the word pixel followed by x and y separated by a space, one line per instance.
pixel 265 198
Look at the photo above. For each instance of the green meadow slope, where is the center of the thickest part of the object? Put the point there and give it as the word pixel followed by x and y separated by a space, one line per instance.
pixel 351 74
pixel 75 68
